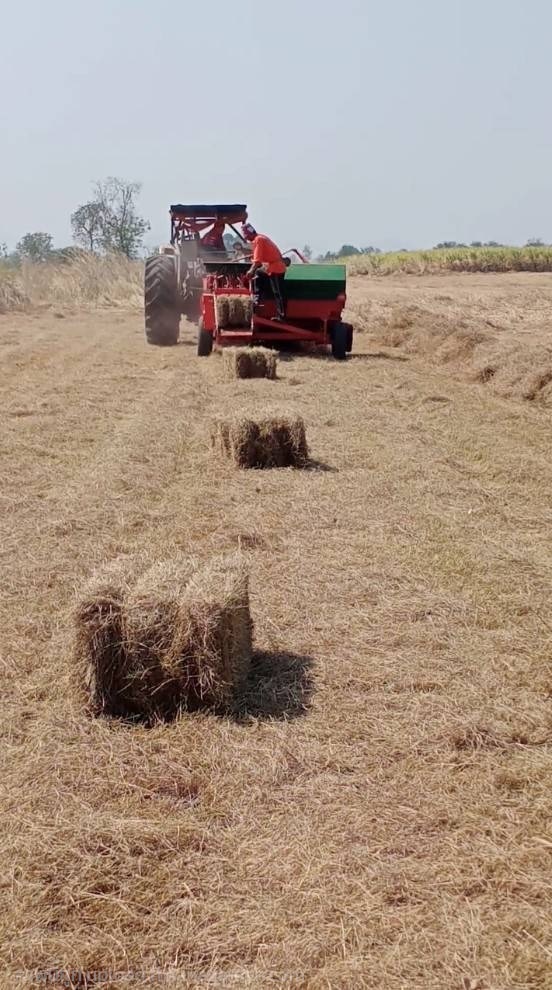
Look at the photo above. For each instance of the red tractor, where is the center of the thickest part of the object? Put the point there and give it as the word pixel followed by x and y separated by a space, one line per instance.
pixel 198 276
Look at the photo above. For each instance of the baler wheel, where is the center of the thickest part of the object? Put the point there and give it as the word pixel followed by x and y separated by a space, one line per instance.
pixel 340 339
pixel 349 337
pixel 204 340
pixel 161 301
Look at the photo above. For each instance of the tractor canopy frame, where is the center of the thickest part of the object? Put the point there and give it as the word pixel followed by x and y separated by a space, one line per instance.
pixel 188 223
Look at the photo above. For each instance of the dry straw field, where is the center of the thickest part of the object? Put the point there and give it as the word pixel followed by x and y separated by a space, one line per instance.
pixel 375 812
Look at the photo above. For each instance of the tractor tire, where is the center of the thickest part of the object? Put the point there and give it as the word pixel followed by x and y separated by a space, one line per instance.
pixel 204 340
pixel 340 339
pixel 161 304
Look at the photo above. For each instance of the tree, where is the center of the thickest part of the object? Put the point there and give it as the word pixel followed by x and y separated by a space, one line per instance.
pixel 346 250
pixel 4 253
pixel 534 242
pixel 110 220
pixel 231 241
pixel 122 228
pixel 307 252
pixel 87 225
pixel 35 247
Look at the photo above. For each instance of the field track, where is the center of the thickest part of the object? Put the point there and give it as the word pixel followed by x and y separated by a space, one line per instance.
pixel 379 813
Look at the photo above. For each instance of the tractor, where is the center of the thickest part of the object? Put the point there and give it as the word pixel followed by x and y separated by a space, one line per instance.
pixel 197 276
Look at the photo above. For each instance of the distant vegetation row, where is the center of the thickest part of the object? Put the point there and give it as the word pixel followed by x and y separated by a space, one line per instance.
pixel 531 258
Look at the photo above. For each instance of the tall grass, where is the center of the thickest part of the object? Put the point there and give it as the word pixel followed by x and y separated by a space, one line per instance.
pixel 86 281
pixel 484 259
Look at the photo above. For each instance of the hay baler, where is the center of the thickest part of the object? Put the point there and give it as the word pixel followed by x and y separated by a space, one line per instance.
pixel 208 284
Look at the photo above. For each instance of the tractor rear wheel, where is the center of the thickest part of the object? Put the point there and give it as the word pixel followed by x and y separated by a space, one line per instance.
pixel 161 301
pixel 204 340
pixel 340 339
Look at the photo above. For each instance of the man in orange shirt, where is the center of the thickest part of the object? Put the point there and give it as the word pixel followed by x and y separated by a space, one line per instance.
pixel 267 270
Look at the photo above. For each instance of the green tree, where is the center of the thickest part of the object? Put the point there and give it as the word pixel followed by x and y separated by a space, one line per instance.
pixel 87 226
pixel 35 247
pixel 346 250
pixel 110 220
pixel 122 228
pixel 231 241
pixel 307 252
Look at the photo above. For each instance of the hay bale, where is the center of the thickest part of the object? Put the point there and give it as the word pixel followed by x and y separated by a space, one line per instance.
pixel 177 637
pixel 222 311
pixel 99 651
pixel 240 311
pixel 233 311
pixel 249 362
pixel 151 641
pixel 218 631
pixel 277 440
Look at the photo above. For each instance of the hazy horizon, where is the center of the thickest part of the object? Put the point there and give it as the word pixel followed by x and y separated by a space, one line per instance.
pixel 397 127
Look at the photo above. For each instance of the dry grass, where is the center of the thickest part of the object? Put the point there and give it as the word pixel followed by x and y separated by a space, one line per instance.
pixel 508 348
pixel 249 362
pixel 271 440
pixel 87 281
pixel 12 291
pixel 377 812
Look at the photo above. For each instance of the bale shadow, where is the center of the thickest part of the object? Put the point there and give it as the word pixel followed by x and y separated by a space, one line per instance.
pixel 313 465
pixel 279 686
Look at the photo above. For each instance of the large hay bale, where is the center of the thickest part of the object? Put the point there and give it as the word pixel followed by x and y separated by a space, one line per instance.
pixel 249 362
pixel 277 440
pixel 176 638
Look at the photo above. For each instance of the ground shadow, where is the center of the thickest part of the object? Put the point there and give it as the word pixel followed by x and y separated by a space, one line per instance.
pixel 313 465
pixel 381 355
pixel 279 686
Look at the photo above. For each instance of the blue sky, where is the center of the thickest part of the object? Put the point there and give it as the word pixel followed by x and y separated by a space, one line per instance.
pixel 394 124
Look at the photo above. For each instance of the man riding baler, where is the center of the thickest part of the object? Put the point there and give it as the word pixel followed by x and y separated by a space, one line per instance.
pixel 267 270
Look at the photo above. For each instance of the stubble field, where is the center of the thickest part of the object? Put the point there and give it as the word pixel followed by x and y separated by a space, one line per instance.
pixel 377 812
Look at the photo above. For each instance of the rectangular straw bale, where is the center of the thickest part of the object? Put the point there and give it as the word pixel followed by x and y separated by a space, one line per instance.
pixel 177 637
pixel 240 311
pixel 222 310
pixel 152 637
pixel 274 440
pixel 99 652
pixel 249 362
pixel 218 631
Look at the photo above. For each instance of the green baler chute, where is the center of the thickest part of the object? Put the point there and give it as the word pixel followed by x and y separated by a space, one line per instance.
pixel 314 281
